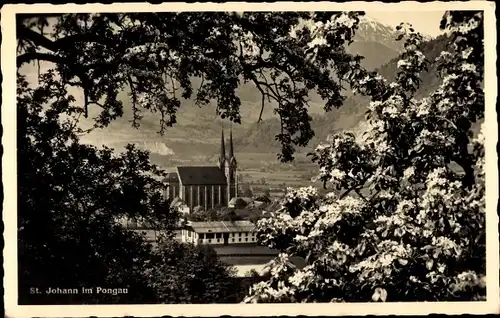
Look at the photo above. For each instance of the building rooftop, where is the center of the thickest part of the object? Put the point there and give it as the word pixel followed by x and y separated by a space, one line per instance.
pixel 238 202
pixel 203 175
pixel 171 178
pixel 247 200
pixel 222 226
pixel 272 207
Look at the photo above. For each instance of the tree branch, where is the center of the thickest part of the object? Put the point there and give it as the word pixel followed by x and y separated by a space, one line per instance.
pixel 256 82
pixel 60 61
pixel 23 33
pixel 27 57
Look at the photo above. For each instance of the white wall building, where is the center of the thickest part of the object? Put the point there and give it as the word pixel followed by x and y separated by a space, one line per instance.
pixel 219 233
pixel 180 205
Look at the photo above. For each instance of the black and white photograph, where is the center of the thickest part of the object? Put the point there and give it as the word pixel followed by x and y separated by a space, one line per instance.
pixel 215 154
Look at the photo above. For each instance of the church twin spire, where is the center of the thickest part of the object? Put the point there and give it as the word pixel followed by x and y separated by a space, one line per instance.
pixel 228 166
pixel 230 159
pixel 222 155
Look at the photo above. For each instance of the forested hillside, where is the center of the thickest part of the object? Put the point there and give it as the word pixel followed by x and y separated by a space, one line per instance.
pixel 261 135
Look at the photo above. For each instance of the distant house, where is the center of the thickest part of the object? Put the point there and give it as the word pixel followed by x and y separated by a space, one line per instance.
pixel 249 213
pixel 262 199
pixel 246 258
pixel 219 233
pixel 248 200
pixel 273 207
pixel 180 205
pixel 239 202
pixel 259 204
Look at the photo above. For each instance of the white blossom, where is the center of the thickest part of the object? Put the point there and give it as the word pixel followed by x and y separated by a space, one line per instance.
pixel 468 67
pixel 399 204
pixel 345 20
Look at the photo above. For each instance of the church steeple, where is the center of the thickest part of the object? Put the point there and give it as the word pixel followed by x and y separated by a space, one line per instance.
pixel 231 170
pixel 222 156
pixel 231 158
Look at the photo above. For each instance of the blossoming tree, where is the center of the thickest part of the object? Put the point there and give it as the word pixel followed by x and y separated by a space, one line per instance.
pixel 404 218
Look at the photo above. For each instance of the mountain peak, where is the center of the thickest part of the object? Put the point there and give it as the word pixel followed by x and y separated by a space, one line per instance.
pixel 369 20
pixel 373 30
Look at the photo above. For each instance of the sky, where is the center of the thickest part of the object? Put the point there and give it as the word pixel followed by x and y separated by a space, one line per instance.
pixel 426 22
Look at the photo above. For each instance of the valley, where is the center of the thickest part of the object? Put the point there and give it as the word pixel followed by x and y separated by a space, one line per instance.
pixel 195 138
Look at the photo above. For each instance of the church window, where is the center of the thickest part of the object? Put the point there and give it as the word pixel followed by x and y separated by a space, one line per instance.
pixel 208 192
pixel 210 235
pixel 216 195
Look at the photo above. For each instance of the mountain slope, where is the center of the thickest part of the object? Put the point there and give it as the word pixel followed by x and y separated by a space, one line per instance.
pixel 374 53
pixel 431 49
pixel 351 114
pixel 376 42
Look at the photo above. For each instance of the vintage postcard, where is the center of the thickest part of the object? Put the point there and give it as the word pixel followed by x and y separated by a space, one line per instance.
pixel 250 159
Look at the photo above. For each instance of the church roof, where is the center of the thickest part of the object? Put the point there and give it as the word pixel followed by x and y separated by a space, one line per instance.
pixel 171 178
pixel 222 226
pixel 203 175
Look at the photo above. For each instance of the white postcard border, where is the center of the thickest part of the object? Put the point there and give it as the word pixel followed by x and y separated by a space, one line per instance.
pixel 9 177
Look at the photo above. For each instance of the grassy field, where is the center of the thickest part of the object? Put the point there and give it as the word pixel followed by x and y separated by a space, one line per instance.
pixel 263 170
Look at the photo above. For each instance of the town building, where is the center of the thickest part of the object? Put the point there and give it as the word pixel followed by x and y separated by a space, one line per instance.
pixel 219 233
pixel 205 186
pixel 180 205
pixel 239 202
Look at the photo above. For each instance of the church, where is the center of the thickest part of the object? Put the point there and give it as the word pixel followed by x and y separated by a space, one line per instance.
pixel 205 186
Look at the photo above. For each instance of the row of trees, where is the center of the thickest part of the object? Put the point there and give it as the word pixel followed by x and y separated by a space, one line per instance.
pixel 216 214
